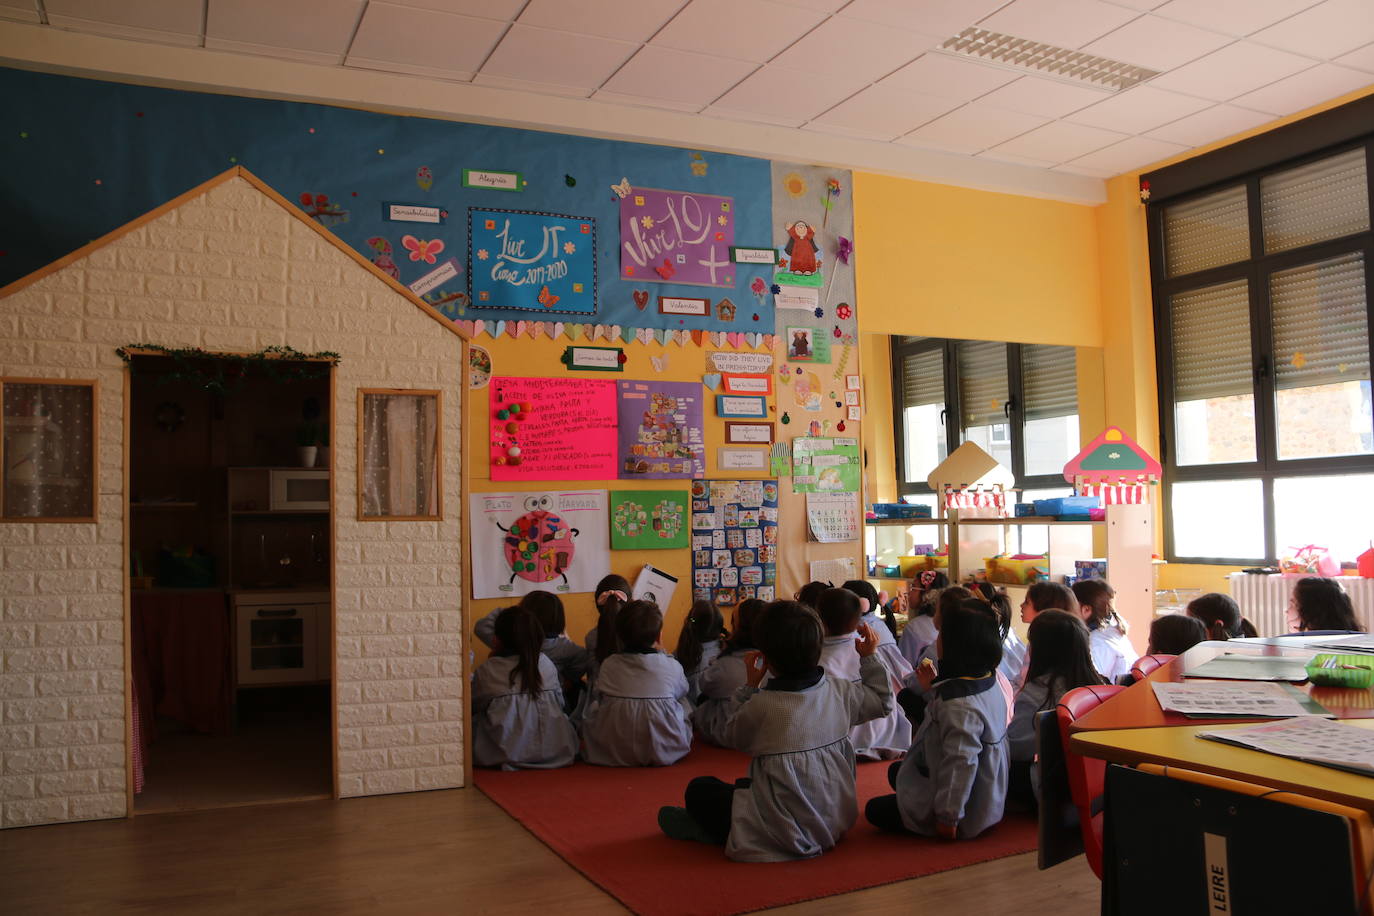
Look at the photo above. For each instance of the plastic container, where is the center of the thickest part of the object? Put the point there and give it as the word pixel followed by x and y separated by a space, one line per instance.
pixel 911 565
pixel 901 510
pixel 1017 571
pixel 1023 510
pixel 1067 505
pixel 936 561
pixel 1358 674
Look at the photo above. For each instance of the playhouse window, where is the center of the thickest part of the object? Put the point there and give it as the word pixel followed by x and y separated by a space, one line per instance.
pixel 399 444
pixel 48 450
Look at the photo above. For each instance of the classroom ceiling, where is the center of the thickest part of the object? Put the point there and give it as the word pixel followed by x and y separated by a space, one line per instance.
pixel 869 70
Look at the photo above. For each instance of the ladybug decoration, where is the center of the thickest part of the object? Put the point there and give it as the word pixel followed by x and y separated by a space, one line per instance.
pixel 539 544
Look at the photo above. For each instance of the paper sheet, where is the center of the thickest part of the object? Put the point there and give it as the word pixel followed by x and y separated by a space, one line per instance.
pixel 1227 699
pixel 840 569
pixel 1309 738
pixel 653 584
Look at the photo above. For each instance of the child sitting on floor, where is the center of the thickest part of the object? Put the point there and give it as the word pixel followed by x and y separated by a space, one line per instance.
pixel 726 674
pixel 637 711
pixel 920 621
pixel 568 657
pixel 612 593
pixel 953 781
pixel 517 707
pixel 886 738
pixel 699 643
pixel 1113 653
pixel 800 796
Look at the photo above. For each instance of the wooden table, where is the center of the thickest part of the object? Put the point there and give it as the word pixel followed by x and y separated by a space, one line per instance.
pixel 1136 707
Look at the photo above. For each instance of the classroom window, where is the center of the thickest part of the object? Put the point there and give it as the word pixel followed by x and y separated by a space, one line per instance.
pixel 48 450
pixel 1262 310
pixel 1018 402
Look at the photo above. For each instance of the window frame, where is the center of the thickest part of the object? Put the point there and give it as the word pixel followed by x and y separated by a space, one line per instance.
pixel 437 396
pixel 1255 270
pixel 1013 409
pixel 94 484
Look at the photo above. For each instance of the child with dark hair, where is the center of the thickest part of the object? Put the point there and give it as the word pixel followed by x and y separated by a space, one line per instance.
pixel 810 593
pixel 1014 654
pixel 898 668
pixel 1220 615
pixel 517 707
pixel 1174 634
pixel 953 782
pixel 1113 653
pixel 568 657
pixel 1321 605
pixel 1045 596
pixel 920 614
pixel 800 796
pixel 612 593
pixel 879 739
pixel 1060 660
pixel 699 643
pixel 914 696
pixel 637 711
pixel 726 674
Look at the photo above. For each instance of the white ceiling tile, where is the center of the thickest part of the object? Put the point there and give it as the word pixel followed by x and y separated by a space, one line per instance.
pixel 1325 31
pixel 773 90
pixel 1059 141
pixel 930 17
pixel 974 127
pixel 643 101
pixel 996 156
pixel 423 42
pixel 1131 153
pixel 1138 110
pixel 1363 59
pixel 628 20
pixel 678 77
pixel 854 49
pixel 1232 17
pixel 825 6
pixel 545 56
pixel 1142 5
pixel 746 29
pixel 1303 90
pixel 1210 124
pixel 153 18
pixel 1070 169
pixel 1235 69
pixel 1065 23
pixel 320 28
pixel 1157 43
pixel 503 10
pixel 753 117
pixel 20 10
pixel 882 113
pixel 1046 98
pixel 325 58
pixel 949 77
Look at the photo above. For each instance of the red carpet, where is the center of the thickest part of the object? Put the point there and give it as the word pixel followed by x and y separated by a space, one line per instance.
pixel 603 822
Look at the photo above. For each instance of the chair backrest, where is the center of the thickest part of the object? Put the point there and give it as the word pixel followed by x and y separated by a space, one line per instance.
pixel 1086 775
pixel 1148 663
pixel 1233 847
pixel 1060 836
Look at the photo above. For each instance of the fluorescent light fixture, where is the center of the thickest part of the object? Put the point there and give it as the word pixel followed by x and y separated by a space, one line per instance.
pixel 1022 54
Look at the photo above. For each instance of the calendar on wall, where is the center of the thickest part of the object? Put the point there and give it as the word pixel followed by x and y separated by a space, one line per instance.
pixel 832 518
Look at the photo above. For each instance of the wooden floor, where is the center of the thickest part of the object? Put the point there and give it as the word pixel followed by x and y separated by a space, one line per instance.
pixel 433 852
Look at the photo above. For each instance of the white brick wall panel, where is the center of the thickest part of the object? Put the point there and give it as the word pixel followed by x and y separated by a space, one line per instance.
pixel 67 306
pixel 38 709
pixel 96 607
pixel 412 574
pixel 348 647
pixel 144 309
pixel 415 757
pixel 67 735
pixel 39 557
pixel 439 689
pixel 362 669
pixel 358 716
pixel 145 260
pixel 17 635
pixel 361 576
pixel 67 582
pixel 17 787
pixel 233 244
pixel 68 684
pixel 352 786
pixel 16 738
pixel 110 632
pixel 16 351
pixel 414 623
pixel 363 322
pixel 99 307
pixel 232 339
pixel 438 777
pixel 78 782
pixel 362 624
pixel 112 780
pixel 17 686
pixel 174 239
pixel 233 292
pixel 35 661
pixel 66 535
pixel 387 599
pixel 388 646
pixel 387 782
pixel 66 634
pixel 411 713
pixel 102 259
pixel 97 757
pixel 388 736
pixel 272 293
pixel 36 811
pixel 413 668
pixel 111 730
pixel 202 265
pixel 388 552
pixel 93 807
pixel 88 707
pixel 435 598
pixel 383 691
pixel 37 761
pixel 12 535
pixel 112 333
pixel 362 761
pixel 204 218
pixel 101 659
pixel 112 281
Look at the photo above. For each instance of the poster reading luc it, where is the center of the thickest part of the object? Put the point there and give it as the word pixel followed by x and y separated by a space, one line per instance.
pixel 661 430
pixel 676 237
pixel 552 429
pixel 541 262
pixel 523 542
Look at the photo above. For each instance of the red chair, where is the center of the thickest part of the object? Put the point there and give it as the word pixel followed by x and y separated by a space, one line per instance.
pixel 1147 663
pixel 1087 777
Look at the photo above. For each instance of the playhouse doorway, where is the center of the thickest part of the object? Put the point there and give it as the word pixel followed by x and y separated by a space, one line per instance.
pixel 230 509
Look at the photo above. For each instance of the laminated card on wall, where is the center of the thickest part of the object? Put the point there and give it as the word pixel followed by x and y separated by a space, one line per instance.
pixel 734 540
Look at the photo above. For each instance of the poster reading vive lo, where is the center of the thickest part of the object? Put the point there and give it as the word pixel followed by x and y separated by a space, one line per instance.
pixel 677 237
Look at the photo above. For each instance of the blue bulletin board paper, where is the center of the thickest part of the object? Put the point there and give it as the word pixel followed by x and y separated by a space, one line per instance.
pixel 541 262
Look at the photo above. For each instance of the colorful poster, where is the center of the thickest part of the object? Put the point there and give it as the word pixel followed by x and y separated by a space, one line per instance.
pixel 661 430
pixel 825 465
pixel 676 237
pixel 552 429
pixel 524 259
pixel 734 540
pixel 524 542
pixel 648 519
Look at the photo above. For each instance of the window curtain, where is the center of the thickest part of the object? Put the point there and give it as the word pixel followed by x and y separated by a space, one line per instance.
pixel 49 451
pixel 400 455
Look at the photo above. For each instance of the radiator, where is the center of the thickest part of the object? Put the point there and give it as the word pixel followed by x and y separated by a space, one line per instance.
pixel 1264 600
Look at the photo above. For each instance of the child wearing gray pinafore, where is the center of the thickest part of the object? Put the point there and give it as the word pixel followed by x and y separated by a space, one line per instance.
pixel 568 657
pixel 953 781
pixel 725 675
pixel 517 706
pixel 637 711
pixel 885 738
pixel 799 798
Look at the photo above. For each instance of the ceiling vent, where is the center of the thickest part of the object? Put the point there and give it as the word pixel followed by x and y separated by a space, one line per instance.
pixel 1028 56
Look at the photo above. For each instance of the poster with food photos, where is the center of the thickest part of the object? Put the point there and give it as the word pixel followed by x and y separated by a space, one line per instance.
pixel 734 526
pixel 648 519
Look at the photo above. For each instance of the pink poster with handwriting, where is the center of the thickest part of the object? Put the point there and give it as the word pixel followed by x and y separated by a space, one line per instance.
pixel 677 237
pixel 552 429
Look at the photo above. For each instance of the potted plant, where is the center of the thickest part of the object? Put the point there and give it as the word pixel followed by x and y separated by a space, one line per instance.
pixel 322 445
pixel 307 449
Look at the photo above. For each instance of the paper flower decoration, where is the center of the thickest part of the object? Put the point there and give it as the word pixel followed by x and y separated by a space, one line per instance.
pixel 569 247
pixel 843 311
pixel 483 254
pixel 832 193
pixel 1144 191
pixel 647 222
pixel 424 178
pixel 699 169
pixel 844 250
pixel 775 289
pixel 794 184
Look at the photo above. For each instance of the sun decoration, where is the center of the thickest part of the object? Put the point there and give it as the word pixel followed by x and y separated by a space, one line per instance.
pixel 794 184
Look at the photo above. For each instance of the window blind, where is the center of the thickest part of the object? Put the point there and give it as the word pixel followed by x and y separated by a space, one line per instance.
pixel 1211 342
pixel 1207 232
pixel 982 382
pixel 1321 332
pixel 1321 200
pixel 1049 380
pixel 923 378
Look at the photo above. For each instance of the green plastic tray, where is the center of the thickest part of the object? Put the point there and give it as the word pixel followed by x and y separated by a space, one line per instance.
pixel 1362 675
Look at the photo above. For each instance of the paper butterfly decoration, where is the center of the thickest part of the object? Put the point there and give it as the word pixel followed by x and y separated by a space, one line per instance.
pixel 660 362
pixel 547 299
pixel 667 270
pixel 421 250
pixel 623 189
